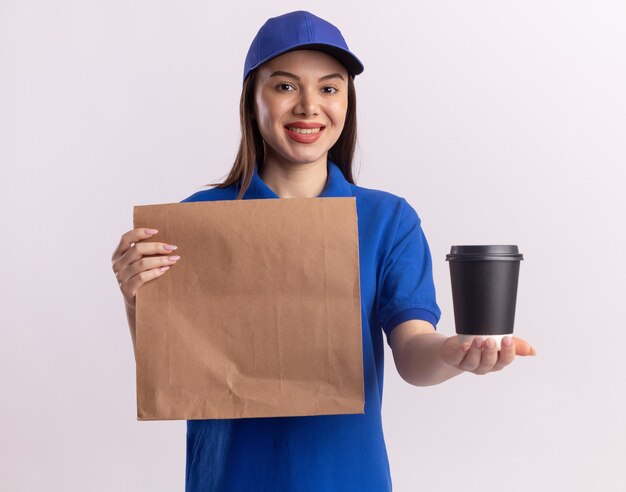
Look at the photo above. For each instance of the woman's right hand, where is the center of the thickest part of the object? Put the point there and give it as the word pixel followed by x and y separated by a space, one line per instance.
pixel 131 269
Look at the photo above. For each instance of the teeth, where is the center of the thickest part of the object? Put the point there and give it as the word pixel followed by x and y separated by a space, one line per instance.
pixel 305 131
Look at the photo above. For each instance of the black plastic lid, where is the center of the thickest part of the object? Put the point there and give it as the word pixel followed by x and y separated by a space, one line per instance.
pixel 506 252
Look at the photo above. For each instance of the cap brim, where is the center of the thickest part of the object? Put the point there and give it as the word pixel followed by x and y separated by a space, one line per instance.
pixel 347 59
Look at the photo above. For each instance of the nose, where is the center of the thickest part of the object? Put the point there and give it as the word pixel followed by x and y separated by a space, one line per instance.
pixel 308 103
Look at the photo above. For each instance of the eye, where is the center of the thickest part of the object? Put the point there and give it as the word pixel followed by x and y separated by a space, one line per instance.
pixel 329 90
pixel 285 87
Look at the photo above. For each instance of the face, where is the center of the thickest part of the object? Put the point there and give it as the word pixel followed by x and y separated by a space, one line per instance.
pixel 301 100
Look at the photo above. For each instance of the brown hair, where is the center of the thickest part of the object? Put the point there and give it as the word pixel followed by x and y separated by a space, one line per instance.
pixel 251 148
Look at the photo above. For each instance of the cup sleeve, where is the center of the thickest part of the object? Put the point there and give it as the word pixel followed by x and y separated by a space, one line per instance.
pixel 406 289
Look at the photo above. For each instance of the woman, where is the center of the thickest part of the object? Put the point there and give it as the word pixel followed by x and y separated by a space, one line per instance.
pixel 298 122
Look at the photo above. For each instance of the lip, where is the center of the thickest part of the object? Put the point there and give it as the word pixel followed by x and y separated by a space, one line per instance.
pixel 304 138
pixel 304 124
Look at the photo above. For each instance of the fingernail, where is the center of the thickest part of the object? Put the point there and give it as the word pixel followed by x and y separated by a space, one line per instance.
pixel 507 341
pixel 151 231
pixel 490 343
pixel 479 342
pixel 174 258
pixel 170 247
pixel 163 268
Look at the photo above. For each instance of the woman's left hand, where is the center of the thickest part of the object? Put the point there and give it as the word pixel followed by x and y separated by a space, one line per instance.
pixel 482 355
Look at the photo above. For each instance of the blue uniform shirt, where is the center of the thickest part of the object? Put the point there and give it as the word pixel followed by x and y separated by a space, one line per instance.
pixel 328 453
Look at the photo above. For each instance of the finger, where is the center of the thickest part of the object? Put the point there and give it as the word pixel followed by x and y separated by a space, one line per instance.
pixel 129 238
pixel 139 250
pixel 129 288
pixel 472 358
pixel 506 355
pixel 522 347
pixel 489 357
pixel 144 264
pixel 453 352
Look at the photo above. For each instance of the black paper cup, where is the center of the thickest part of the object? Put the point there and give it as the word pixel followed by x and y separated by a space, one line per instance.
pixel 484 290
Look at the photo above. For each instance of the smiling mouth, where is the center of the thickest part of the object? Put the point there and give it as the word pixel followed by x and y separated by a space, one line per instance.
pixel 305 131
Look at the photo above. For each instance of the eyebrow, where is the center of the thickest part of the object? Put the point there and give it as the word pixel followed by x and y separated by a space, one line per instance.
pixel 280 73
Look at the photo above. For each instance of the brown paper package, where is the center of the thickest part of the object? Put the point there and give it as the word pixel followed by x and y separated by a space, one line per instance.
pixel 261 316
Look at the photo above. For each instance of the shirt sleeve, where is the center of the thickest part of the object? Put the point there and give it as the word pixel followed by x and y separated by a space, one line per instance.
pixel 407 290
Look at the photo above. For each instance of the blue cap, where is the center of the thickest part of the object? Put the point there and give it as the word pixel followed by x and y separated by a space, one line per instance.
pixel 298 30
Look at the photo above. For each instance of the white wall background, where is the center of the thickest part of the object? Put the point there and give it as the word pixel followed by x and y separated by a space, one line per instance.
pixel 500 121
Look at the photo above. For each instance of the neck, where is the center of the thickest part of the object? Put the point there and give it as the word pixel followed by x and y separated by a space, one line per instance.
pixel 293 180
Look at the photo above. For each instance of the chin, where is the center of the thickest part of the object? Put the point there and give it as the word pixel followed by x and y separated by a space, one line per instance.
pixel 304 157
pixel 306 160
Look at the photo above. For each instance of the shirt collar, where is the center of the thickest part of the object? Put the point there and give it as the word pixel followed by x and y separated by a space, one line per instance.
pixel 336 185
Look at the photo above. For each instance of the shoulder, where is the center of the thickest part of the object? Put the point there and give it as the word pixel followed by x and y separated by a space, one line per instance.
pixel 383 204
pixel 212 194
